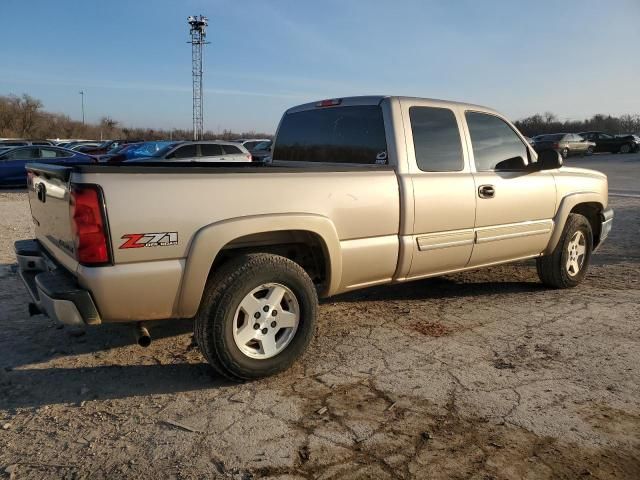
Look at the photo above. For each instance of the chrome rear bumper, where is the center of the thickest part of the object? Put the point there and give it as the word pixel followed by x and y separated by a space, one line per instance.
pixel 54 291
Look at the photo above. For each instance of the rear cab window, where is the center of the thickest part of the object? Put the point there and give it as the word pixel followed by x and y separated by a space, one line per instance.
pixel 343 134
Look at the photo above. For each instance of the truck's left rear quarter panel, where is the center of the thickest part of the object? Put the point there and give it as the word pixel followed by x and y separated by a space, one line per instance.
pixel 145 282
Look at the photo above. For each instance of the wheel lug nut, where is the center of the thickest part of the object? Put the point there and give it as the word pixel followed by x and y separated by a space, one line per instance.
pixel 264 331
pixel 273 324
pixel 274 313
pixel 256 315
pixel 256 326
pixel 265 308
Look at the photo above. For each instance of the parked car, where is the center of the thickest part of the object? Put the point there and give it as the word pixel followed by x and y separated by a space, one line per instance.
pixel 250 143
pixel 246 251
pixel 13 161
pixel 261 151
pixel 147 149
pixel 110 146
pixel 119 154
pixel 83 146
pixel 76 143
pixel 201 151
pixel 564 143
pixel 23 143
pixel 613 144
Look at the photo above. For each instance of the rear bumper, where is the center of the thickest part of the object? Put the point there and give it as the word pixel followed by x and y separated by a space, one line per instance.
pixel 54 291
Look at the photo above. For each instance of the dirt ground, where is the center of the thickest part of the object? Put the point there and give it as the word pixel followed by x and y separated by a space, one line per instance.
pixel 478 375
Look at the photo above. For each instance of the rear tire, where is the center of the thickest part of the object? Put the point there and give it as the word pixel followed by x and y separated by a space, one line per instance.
pixel 567 265
pixel 243 294
pixel 626 148
pixel 589 151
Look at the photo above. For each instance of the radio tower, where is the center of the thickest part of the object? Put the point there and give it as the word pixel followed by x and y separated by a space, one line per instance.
pixel 197 29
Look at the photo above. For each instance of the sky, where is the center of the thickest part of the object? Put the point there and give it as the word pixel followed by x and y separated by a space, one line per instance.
pixel 574 58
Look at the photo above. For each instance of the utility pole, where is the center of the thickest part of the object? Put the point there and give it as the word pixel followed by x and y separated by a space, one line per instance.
pixel 82 95
pixel 197 30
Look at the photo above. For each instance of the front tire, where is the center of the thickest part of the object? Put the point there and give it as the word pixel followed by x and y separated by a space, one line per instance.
pixel 565 153
pixel 626 148
pixel 567 265
pixel 257 316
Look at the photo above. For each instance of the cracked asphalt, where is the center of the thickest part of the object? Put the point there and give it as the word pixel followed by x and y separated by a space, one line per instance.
pixel 485 374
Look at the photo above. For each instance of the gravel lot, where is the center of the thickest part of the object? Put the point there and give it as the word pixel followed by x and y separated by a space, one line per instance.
pixel 479 375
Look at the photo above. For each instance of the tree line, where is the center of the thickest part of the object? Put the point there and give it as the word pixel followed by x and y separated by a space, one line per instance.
pixel 23 117
pixel 549 123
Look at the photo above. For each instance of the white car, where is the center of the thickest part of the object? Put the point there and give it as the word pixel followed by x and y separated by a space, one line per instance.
pixel 200 151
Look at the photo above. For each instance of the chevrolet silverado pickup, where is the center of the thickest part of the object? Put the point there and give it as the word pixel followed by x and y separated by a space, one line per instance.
pixel 360 191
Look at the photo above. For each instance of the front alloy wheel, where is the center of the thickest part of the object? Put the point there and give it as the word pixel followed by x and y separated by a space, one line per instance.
pixel 576 252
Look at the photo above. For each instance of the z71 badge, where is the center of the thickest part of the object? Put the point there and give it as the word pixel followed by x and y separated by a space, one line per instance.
pixel 139 240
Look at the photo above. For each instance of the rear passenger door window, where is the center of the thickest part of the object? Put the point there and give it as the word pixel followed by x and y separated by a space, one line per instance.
pixel 188 151
pixel 231 150
pixel 48 153
pixel 496 147
pixel 436 139
pixel 210 150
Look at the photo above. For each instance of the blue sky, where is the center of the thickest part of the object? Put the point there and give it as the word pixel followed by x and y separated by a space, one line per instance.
pixel 571 57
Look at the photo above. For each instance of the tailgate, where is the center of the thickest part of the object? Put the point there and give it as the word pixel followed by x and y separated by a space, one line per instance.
pixel 48 189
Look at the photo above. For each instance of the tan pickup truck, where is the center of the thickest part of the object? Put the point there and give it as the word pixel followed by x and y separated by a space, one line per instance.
pixel 360 191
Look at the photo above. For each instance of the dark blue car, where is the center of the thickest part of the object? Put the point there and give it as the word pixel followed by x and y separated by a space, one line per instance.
pixel 13 161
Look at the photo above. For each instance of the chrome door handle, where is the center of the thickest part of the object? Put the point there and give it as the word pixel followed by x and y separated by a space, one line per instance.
pixel 486 191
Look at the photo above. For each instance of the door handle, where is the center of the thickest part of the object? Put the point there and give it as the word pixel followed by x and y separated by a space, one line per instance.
pixel 486 191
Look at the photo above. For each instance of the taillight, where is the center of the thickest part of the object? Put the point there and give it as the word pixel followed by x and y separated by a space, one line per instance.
pixel 555 145
pixel 29 179
pixel 248 156
pixel 88 224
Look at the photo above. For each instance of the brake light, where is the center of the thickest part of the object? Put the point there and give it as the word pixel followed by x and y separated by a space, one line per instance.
pixel 329 103
pixel 248 155
pixel 29 179
pixel 88 224
pixel 555 145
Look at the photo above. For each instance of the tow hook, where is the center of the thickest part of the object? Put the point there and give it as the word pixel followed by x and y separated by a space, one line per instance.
pixel 143 338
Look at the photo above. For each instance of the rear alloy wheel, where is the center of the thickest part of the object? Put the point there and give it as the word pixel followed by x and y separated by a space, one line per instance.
pixel 257 316
pixel 590 151
pixel 626 148
pixel 564 152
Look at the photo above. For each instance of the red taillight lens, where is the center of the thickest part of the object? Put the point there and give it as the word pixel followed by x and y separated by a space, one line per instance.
pixel 555 145
pixel 329 103
pixel 88 225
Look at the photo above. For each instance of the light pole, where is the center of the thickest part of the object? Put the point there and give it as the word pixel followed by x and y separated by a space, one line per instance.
pixel 82 96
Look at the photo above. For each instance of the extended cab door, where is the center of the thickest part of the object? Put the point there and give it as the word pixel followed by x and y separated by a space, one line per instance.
pixel 515 203
pixel 443 189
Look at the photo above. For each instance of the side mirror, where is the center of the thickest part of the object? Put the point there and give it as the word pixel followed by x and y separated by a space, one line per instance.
pixel 548 160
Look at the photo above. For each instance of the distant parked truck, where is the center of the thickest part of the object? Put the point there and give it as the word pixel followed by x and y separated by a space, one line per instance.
pixel 361 191
pixel 613 144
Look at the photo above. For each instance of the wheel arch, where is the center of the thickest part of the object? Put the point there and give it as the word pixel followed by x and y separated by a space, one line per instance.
pixel 215 243
pixel 588 204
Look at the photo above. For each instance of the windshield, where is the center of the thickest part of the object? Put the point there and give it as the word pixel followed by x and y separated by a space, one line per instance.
pixel 263 145
pixel 149 149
